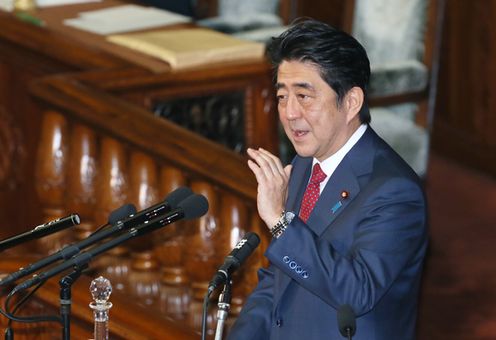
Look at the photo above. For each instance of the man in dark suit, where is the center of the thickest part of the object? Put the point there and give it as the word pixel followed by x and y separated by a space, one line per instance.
pixel 348 216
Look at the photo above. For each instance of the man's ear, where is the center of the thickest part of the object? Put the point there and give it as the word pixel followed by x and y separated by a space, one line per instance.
pixel 353 102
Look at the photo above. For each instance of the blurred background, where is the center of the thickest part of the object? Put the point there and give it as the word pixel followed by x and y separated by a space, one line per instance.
pixel 82 129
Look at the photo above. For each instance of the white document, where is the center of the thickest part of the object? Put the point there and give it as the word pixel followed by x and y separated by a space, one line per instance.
pixel 124 18
pixel 6 5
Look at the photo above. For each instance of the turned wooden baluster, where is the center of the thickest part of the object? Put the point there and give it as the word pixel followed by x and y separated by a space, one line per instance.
pixel 200 258
pixel 144 276
pixel 50 175
pixel 174 289
pixel 81 179
pixel 113 188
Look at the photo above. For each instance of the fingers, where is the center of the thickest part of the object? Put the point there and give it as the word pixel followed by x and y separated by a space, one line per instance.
pixel 259 174
pixel 268 163
pixel 272 181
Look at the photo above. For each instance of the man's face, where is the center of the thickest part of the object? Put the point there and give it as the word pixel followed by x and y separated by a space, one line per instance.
pixel 309 112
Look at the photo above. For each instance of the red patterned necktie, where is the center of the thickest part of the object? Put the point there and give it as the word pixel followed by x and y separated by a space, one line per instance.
pixel 312 192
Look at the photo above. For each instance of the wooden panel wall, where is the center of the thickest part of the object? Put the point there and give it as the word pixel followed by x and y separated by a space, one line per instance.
pixel 465 121
pixel 329 11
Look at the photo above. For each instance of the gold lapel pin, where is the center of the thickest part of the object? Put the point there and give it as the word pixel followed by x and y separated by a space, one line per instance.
pixel 344 194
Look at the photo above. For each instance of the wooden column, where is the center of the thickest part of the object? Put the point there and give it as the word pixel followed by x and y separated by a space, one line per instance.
pixel 200 258
pixel 170 244
pixel 50 176
pixel 144 277
pixel 113 192
pixel 81 192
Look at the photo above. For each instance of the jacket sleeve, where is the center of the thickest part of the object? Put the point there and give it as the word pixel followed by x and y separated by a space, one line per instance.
pixel 255 318
pixel 387 240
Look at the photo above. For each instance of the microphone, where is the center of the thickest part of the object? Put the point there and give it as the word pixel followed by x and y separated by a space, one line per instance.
pixel 346 321
pixel 41 230
pixel 192 207
pixel 69 250
pixel 171 202
pixel 120 219
pixel 234 260
pixel 124 211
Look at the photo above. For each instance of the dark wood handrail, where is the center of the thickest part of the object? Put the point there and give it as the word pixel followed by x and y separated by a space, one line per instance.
pixel 135 125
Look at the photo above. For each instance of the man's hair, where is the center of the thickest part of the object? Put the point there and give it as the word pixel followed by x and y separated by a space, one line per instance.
pixel 342 61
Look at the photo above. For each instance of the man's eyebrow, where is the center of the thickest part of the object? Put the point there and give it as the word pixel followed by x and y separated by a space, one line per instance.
pixel 302 85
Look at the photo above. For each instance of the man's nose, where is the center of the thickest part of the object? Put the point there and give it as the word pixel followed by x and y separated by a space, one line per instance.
pixel 293 110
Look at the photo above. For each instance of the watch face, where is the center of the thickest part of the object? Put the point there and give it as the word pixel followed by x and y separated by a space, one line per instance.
pixel 289 216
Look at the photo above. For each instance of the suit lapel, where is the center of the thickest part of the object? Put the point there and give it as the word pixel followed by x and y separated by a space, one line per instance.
pixel 344 185
pixel 331 202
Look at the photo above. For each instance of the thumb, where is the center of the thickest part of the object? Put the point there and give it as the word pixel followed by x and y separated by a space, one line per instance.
pixel 287 169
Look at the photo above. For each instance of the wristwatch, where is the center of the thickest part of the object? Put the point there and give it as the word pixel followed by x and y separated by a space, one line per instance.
pixel 282 223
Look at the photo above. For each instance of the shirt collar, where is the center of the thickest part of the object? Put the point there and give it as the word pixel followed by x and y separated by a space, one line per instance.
pixel 330 164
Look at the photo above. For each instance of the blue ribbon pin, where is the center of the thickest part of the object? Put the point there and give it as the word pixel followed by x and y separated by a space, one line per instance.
pixel 336 207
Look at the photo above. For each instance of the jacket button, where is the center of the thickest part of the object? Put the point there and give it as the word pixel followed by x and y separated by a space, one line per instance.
pixel 279 323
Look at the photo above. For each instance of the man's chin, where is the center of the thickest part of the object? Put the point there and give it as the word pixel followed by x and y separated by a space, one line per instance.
pixel 304 153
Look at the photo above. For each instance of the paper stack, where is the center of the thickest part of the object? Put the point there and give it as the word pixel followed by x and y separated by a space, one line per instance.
pixel 184 48
pixel 124 18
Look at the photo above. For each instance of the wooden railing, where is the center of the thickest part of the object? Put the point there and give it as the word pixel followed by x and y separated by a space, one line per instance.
pixel 87 143
pixel 98 152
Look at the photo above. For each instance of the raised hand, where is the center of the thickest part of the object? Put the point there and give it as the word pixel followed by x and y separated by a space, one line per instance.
pixel 272 180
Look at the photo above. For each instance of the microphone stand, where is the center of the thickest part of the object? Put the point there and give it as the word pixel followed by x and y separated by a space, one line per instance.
pixel 224 305
pixel 65 300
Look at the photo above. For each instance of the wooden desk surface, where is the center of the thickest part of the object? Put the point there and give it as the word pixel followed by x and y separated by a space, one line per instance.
pixel 53 18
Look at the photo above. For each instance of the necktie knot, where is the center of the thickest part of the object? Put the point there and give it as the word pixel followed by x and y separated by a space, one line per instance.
pixel 317 174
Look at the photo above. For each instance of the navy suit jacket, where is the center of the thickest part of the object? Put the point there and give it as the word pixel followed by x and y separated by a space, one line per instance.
pixel 365 250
